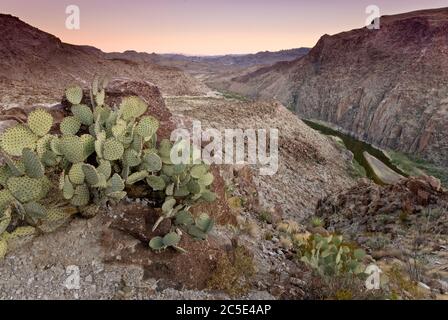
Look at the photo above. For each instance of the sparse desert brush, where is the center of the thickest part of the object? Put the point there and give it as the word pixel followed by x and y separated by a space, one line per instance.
pixel 234 272
pixel 317 222
pixel 288 227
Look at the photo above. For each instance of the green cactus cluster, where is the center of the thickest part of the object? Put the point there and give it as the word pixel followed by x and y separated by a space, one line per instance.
pixel 24 194
pixel 171 239
pixel 99 151
pixel 330 256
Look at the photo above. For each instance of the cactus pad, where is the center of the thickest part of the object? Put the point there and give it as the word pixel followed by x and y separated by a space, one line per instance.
pixel 99 143
pixel 204 222
pixel 184 218
pixel 33 166
pixel 105 168
pixel 147 126
pixel 72 148
pixel 99 97
pixel 119 129
pixel 67 190
pixel 25 189
pixel 156 183
pixel 3 249
pixel 83 113
pixel 196 233
pixel 112 149
pixel 206 179
pixel 168 170
pixel 132 107
pixel 165 148
pixel 43 144
pixel 90 174
pixel 5 219
pixel 15 139
pixel 156 243
pixel 118 195
pixel 74 94
pixel 70 125
pixel 20 236
pixel 76 173
pixel 168 205
pixel 40 122
pixel 101 114
pixel 131 158
pixel 56 217
pixel 55 146
pixel 198 171
pixel 171 239
pixel 193 187
pixel 35 210
pixel 88 142
pixel 152 162
pixel 45 184
pixel 137 176
pixel 6 198
pixel 137 143
pixel 5 174
pixel 208 196
pixel 115 184
pixel 81 196
pixel 181 192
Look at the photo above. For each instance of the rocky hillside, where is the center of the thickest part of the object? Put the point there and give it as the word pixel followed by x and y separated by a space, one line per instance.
pixel 111 249
pixel 386 86
pixel 38 65
pixel 311 165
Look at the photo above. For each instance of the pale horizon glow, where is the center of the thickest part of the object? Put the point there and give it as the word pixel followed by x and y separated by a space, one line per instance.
pixel 203 27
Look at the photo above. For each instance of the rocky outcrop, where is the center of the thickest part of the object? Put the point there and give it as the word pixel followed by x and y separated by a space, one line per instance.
pixel 359 208
pixel 387 86
pixel 404 225
pixel 382 172
pixel 36 66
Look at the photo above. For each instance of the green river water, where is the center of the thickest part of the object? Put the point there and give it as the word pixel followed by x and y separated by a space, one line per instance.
pixel 357 147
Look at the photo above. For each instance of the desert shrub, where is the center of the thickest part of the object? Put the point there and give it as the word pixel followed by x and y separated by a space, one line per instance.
pixel 100 151
pixel 317 222
pixel 233 272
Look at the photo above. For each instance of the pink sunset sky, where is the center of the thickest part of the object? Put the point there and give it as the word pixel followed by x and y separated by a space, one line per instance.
pixel 203 26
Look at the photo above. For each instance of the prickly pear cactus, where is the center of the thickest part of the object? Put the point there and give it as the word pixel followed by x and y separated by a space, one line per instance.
pixel 101 151
pixel 40 122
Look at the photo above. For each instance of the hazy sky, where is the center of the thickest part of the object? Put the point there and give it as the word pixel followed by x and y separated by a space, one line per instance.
pixel 203 26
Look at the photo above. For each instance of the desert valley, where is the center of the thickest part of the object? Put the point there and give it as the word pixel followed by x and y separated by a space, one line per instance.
pixel 362 172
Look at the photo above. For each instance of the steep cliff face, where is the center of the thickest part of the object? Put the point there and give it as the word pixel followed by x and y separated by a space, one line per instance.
pixel 386 86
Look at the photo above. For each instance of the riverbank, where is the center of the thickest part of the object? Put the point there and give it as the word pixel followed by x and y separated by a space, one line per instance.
pixel 402 164
pixel 357 148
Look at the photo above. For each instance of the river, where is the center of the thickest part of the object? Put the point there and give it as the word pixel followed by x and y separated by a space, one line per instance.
pixel 357 147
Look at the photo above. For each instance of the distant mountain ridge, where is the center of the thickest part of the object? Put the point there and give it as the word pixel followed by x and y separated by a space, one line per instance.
pixel 241 60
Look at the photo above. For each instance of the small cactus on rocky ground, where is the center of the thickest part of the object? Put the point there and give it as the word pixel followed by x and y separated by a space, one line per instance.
pixel 99 151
